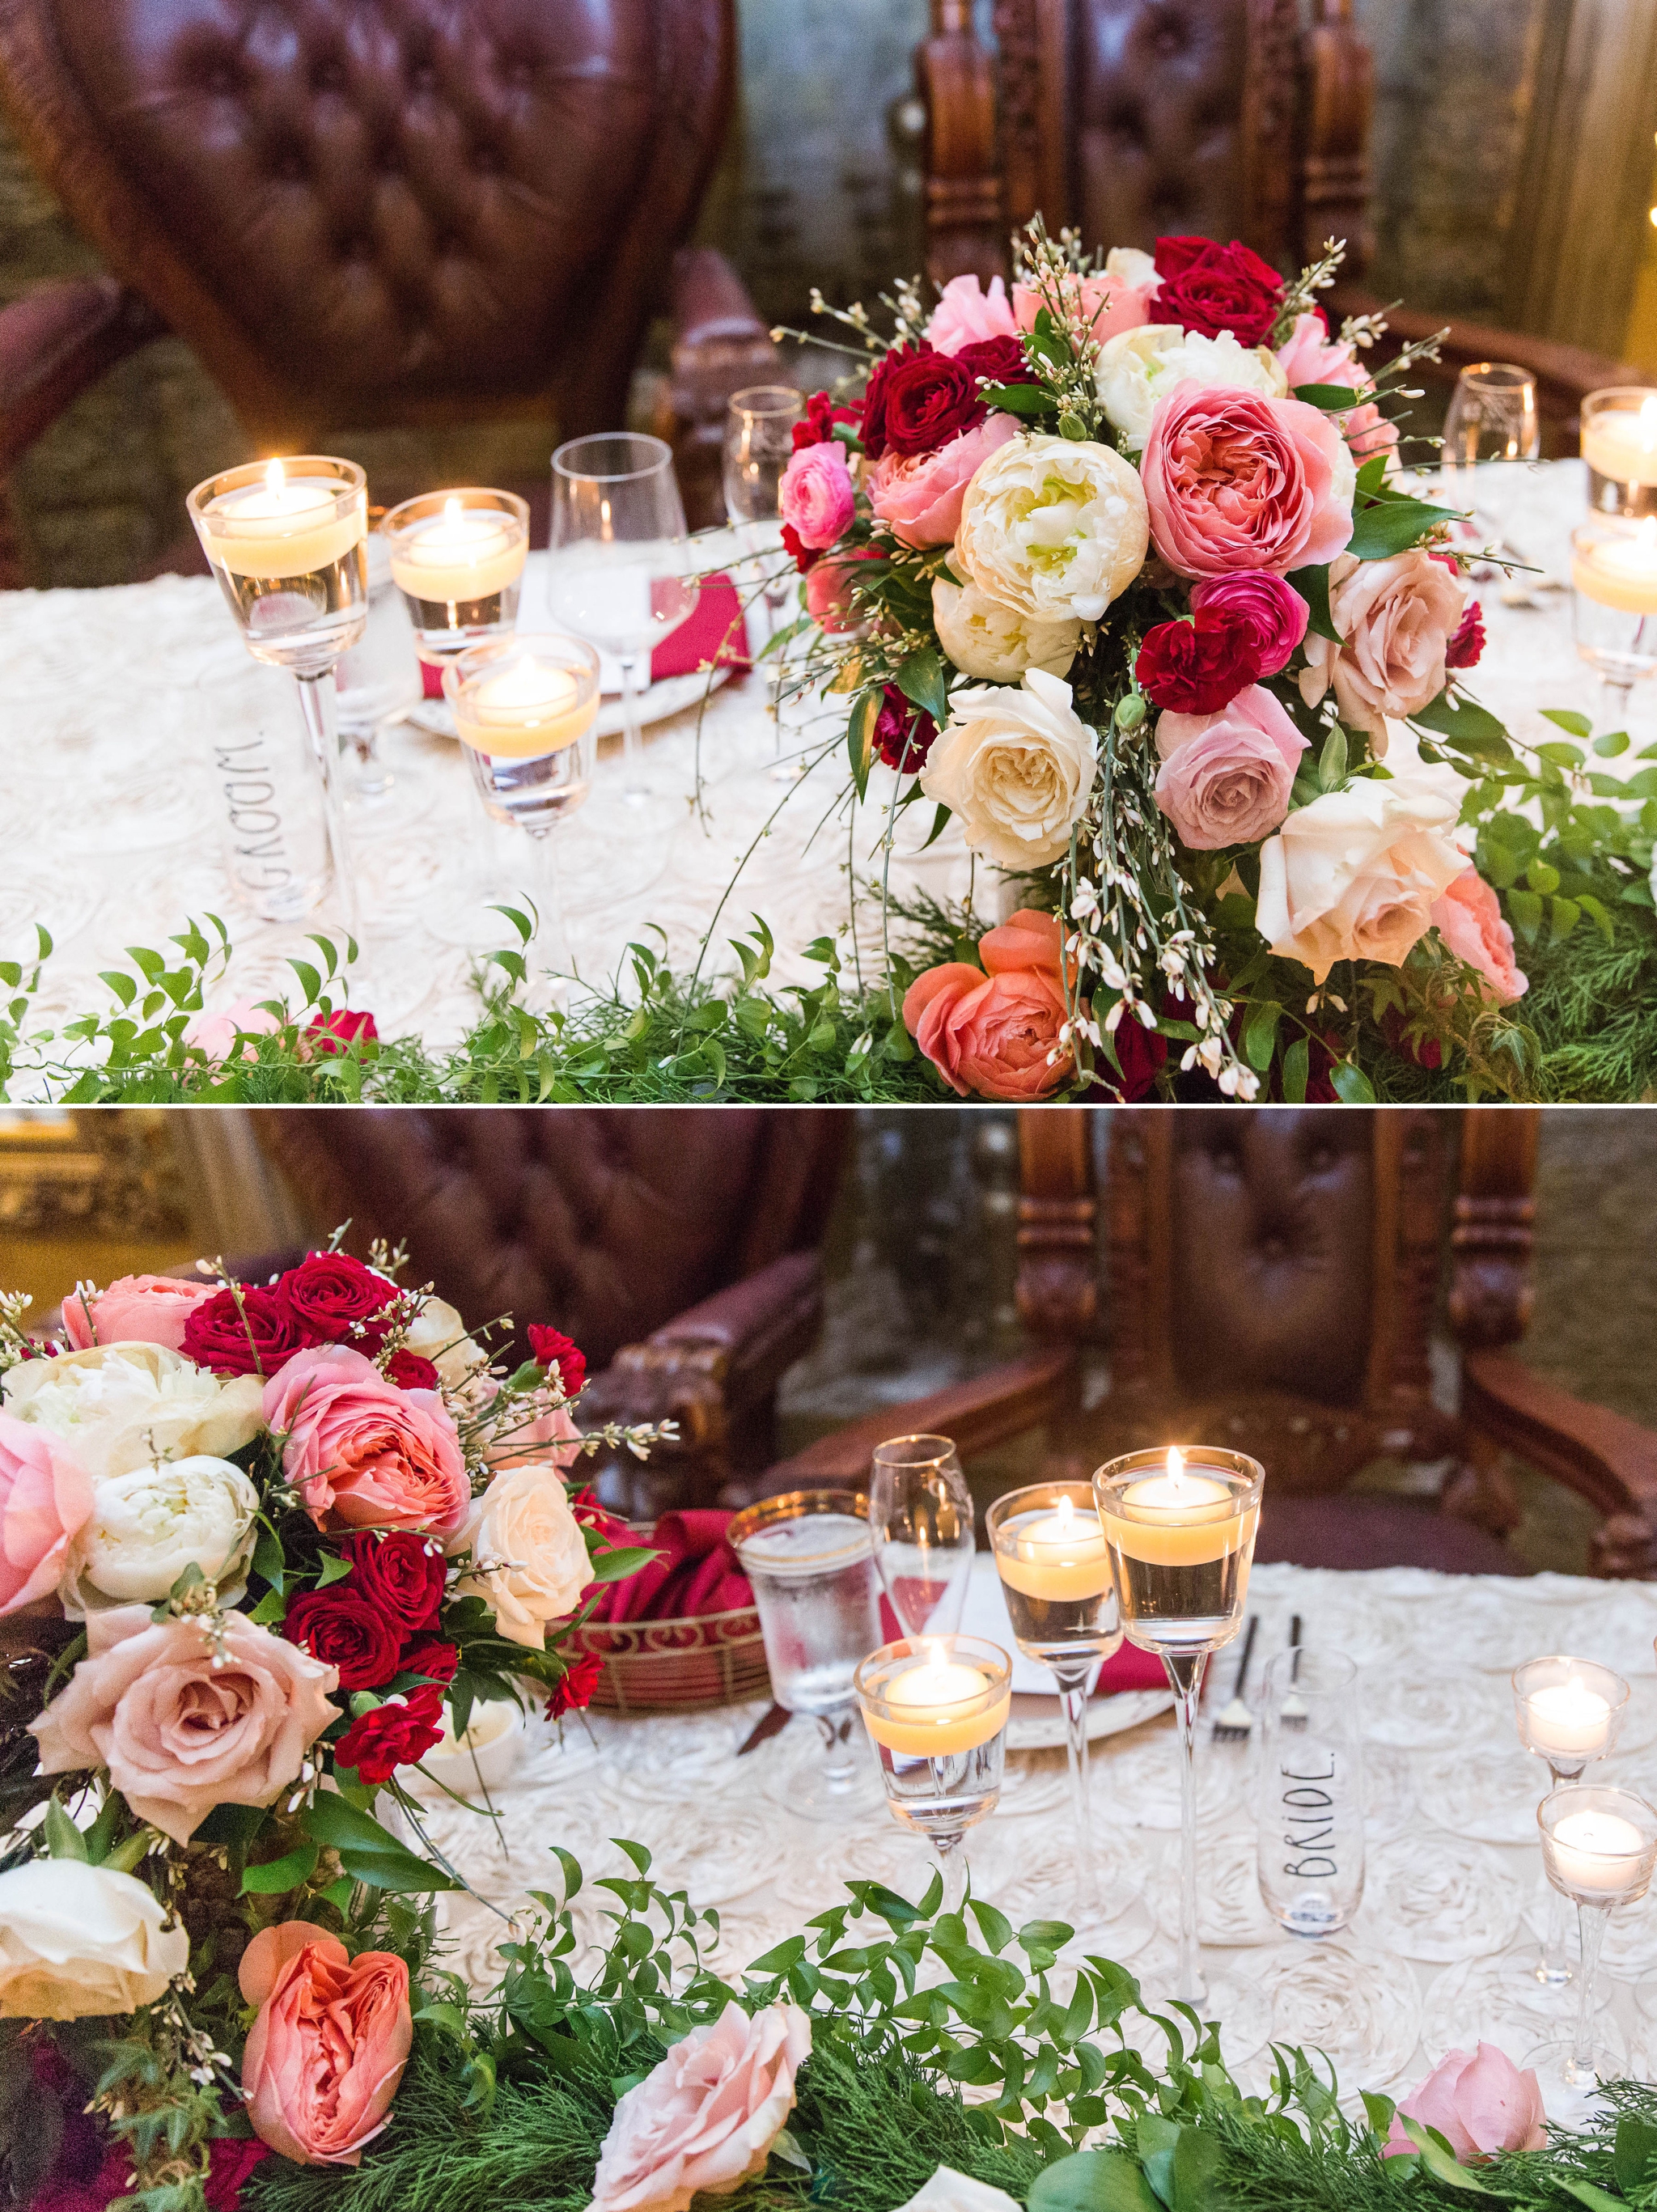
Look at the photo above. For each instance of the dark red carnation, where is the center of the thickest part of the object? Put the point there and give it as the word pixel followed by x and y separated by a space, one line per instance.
pixel 998 361
pixel 410 1372
pixel 396 1573
pixel 233 2158
pixel 255 1337
pixel 1208 289
pixel 1426 1052
pixel 345 1629
pixel 429 1656
pixel 1143 1053
pixel 1465 649
pixel 553 1350
pixel 804 557
pixel 918 399
pixel 1191 670
pixel 820 416
pixel 392 1736
pixel 329 1291
pixel 335 1033
pixel 904 733
pixel 575 1686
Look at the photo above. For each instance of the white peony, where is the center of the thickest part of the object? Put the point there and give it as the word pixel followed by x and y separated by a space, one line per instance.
pixel 950 2192
pixel 1138 367
pixel 125 1406
pixel 1132 266
pixel 1054 528
pixel 150 1523
pixel 993 642
pixel 77 1942
pixel 529 1559
pixel 1016 767
pixel 438 1334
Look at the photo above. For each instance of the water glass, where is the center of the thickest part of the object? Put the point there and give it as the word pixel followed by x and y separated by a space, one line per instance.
pixel 1492 417
pixel 936 1710
pixel 921 1512
pixel 1309 1810
pixel 759 444
pixel 274 827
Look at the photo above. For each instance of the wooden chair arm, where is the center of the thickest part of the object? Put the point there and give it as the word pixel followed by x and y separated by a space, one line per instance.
pixel 55 341
pixel 1608 1460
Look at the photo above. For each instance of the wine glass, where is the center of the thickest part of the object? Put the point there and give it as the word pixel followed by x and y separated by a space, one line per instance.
pixel 619 574
pixel 936 1712
pixel 1569 1711
pixel 759 444
pixel 921 1512
pixel 1492 417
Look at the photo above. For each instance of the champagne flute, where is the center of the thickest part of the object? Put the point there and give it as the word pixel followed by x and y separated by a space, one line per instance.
pixel 759 444
pixel 921 1513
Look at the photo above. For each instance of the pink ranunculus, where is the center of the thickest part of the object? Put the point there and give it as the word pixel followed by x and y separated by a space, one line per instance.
pixel 1106 303
pixel 46 1498
pixel 815 496
pixel 361 1452
pixel 918 496
pixel 1234 479
pixel 828 590
pixel 1272 614
pixel 1396 619
pixel 216 1034
pixel 706 2117
pixel 1226 778
pixel 1468 915
pixel 996 1032
pixel 1480 2104
pixel 326 2052
pixel 184 1724
pixel 135 1309
pixel 966 315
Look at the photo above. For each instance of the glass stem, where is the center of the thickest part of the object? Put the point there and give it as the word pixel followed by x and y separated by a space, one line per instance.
pixel 553 934
pixel 1185 1673
pixel 1071 1676
pixel 635 788
pixel 839 1747
pixel 317 699
pixel 952 1865
pixel 1591 1925
pixel 1554 1967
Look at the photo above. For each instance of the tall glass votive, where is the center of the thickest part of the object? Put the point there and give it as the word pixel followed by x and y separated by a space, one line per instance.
pixel 810 1558
pixel 1619 444
pixel 1179 1528
pixel 1569 1713
pixel 1600 1847
pixel 1613 574
pixel 458 558
pixel 1055 1575
pixel 936 1709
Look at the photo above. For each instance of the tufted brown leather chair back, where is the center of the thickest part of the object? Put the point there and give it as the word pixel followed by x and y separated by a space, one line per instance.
pixel 377 212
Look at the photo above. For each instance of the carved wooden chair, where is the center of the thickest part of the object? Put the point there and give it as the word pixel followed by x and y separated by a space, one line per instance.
pixel 1272 1279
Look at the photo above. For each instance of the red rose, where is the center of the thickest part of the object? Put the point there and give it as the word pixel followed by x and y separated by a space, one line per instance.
pixel 1466 647
pixel 233 2158
pixel 1191 670
pixel 1209 289
pixel 255 1337
pixel 336 1033
pixel 820 416
pixel 329 1291
pixel 410 1372
pixel 917 401
pixel 903 733
pixel 399 1574
pixel 553 1350
pixel 575 1686
pixel 998 361
pixel 343 1628
pixel 392 1736
pixel 431 1657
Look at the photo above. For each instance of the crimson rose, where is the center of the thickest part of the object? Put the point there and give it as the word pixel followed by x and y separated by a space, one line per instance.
pixel 1143 1053
pixel 397 1574
pixel 330 1034
pixel 429 1656
pixel 552 1349
pixel 820 416
pixel 234 2158
pixel 1209 289
pixel 1466 647
pixel 1191 670
pixel 410 1372
pixel 1000 361
pixel 803 555
pixel 903 733
pixel 917 400
pixel 392 1736
pixel 329 1291
pixel 254 1337
pixel 343 1628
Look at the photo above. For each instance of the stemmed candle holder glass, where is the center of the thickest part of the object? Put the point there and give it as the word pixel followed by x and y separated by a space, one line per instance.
pixel 1613 574
pixel 285 540
pixel 936 1709
pixel 921 1512
pixel 1600 1847
pixel 458 558
pixel 759 444
pixel 1055 1575
pixel 1569 1713
pixel 1180 1530
pixel 377 679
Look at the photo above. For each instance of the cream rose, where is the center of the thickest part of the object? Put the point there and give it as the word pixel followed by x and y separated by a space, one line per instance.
pixel 1136 368
pixel 993 642
pixel 150 1523
pixel 1016 767
pixel 1055 528
pixel 528 1557
pixel 123 1406
pixel 438 1334
pixel 1354 875
pixel 1396 619
pixel 1132 266
pixel 78 1942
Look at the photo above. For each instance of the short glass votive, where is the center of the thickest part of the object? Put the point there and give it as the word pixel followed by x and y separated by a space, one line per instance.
pixel 1569 1712
pixel 936 1709
pixel 1614 573
pixel 1600 1847
pixel 1619 444
pixel 458 558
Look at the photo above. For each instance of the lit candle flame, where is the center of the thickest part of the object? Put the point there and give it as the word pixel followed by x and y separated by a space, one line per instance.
pixel 1175 1466
pixel 1066 1515
pixel 276 479
pixel 451 512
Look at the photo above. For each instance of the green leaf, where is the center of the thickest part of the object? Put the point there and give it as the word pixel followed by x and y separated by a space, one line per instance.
pixel 1525 909
pixel 860 735
pixel 271 1609
pixel 994 1927
pixel 1563 914
pixel 1331 762
pixel 1157 2140
pixel 1393 525
pixel 1026 400
pixel 1313 585
pixel 1259 1038
pixel 1576 726
pixel 1586 2192
pixel 1092 2181
pixel 1635 2149
pixel 1470 727
pixel 277 1876
pixel 235 1825
pixel 1611 743
pixel 1333 399
pixel 1296 1069
pixel 334 1570
pixel 367 1852
pixel 1439 2159
pixel 626 1559
pixel 268 1560
pixel 1351 1084
pixel 1380 2111
pixel 920 678
pixel 64 1839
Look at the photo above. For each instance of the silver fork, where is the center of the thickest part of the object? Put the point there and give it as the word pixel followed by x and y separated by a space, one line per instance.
pixel 1293 1713
pixel 1233 1724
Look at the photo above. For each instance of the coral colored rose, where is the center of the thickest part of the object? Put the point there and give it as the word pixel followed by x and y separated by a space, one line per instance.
pixel 966 315
pixel 918 496
pixel 556 1351
pixel 1468 917
pixel 1105 304
pixel 1055 528
pixel 1396 619
pixel 903 733
pixel 918 399
pixel 996 1033
pixel 327 2050
pixel 246 1331
pixel 134 1309
pixel 1226 778
pixel 1016 766
pixel 361 1452
pixel 706 2117
pixel 1466 648
pixel 814 497
pixel 80 1941
pixel 829 599
pixel 215 1035
pixel 399 1572
pixel 1480 2104
pixel 117 1406
pixel 179 1732
pixel 1208 288
pixel 329 1291
pixel 529 1559
pixel 343 1628
pixel 45 1499
pixel 1234 480
pixel 397 1733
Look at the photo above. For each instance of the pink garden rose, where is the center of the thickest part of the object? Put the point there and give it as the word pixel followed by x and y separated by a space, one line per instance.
pixel 46 1498
pixel 815 497
pixel 1396 619
pixel 1226 778
pixel 1309 355
pixel 1468 915
pixel 326 2052
pixel 1109 306
pixel 828 592
pixel 179 1733
pixel 706 2117
pixel 363 1453
pixel 216 1034
pixel 135 1309
pixel 995 1032
pixel 1234 479
pixel 966 315
pixel 918 496
pixel 1480 2104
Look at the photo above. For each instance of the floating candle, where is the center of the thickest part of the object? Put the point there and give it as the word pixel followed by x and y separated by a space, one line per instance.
pixel 1569 1721
pixel 1598 1854
pixel 462 555
pixel 938 1706
pixel 1061 1555
pixel 533 708
pixel 283 526
pixel 1176 1519
pixel 1618 571
pixel 1621 442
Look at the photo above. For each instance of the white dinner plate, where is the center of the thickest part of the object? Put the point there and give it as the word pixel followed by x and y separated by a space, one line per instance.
pixel 1037 1722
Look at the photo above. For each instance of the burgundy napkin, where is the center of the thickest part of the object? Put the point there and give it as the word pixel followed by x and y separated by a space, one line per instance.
pixel 696 1573
pixel 1131 1669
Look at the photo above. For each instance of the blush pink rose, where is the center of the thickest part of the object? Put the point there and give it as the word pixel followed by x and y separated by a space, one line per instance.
pixel 828 590
pixel 326 2052
pixel 1236 480
pixel 216 1034
pixel 179 1733
pixel 361 1452
pixel 1396 619
pixel 135 1309
pixel 1480 2104
pixel 45 1497
pixel 706 2117
pixel 1309 355
pixel 997 1032
pixel 1468 915
pixel 1226 778
pixel 1106 303
pixel 815 496
pixel 918 495
pixel 966 315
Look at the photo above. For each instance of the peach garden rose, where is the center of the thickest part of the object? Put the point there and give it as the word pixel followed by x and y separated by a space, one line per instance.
pixel 326 2054
pixel 919 495
pixel 995 1030
pixel 1239 480
pixel 1468 915
pixel 135 1309
pixel 361 1452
